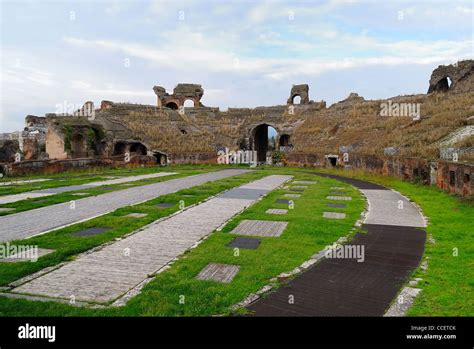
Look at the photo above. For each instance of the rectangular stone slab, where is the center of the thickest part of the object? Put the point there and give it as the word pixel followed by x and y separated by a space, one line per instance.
pixel 283 201
pixel 223 273
pixel 276 211
pixel 164 205
pixel 260 228
pixel 292 196
pixel 334 215
pixel 342 198
pixel 91 231
pixel 246 243
pixel 297 190
pixel 337 193
pixel 136 215
pixel 304 182
pixel 6 209
pixel 336 205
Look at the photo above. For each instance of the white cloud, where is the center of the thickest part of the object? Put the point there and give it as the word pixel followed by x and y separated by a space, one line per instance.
pixel 201 53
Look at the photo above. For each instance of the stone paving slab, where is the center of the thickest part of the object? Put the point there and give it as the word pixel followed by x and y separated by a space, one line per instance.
pixel 338 193
pixel 136 215
pixel 292 195
pixel 6 209
pixel 299 187
pixel 245 243
pixel 336 205
pixel 224 273
pixel 342 198
pixel 283 201
pixel 50 191
pixel 91 231
pixel 164 205
pixel 33 222
pixel 384 209
pixel 26 256
pixel 276 211
pixel 304 182
pixel 334 215
pixel 110 272
pixel 260 228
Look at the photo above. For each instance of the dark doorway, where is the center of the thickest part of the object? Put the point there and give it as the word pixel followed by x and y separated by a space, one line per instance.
pixel 332 160
pixel 120 148
pixel 284 141
pixel 172 105
pixel 161 159
pixel 138 148
pixel 264 140
pixel 78 146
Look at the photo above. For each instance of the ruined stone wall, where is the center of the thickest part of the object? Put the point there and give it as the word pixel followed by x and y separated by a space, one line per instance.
pixel 460 74
pixel 57 166
pixel 55 144
pixel 455 178
pixel 192 158
pixel 449 176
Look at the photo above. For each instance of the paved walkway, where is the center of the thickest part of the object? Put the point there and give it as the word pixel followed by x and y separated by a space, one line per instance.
pixel 393 246
pixel 33 222
pixel 7 199
pixel 110 272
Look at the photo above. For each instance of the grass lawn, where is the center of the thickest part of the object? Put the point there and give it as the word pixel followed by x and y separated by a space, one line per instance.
pixel 306 234
pixel 448 283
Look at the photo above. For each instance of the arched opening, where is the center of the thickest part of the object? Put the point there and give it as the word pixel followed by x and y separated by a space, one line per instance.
pixel 264 137
pixel 172 105
pixel 78 146
pixel 183 131
pixel 284 141
pixel 443 85
pixel 137 149
pixel 120 148
pixel 161 158
pixel 189 103
pixel 296 99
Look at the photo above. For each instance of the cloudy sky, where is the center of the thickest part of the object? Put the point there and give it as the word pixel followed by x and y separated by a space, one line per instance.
pixel 58 54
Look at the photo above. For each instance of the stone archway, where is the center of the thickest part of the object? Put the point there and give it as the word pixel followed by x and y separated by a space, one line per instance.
pixel 172 105
pixel 260 141
pixel 138 148
pixel 120 148
pixel 78 146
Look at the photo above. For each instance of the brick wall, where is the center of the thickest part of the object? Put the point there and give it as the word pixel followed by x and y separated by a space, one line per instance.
pixel 450 176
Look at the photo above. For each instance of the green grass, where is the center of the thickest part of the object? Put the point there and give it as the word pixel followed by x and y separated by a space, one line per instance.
pixel 448 283
pixel 306 234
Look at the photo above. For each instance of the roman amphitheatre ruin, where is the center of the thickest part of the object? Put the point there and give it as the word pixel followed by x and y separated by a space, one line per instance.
pixel 352 132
